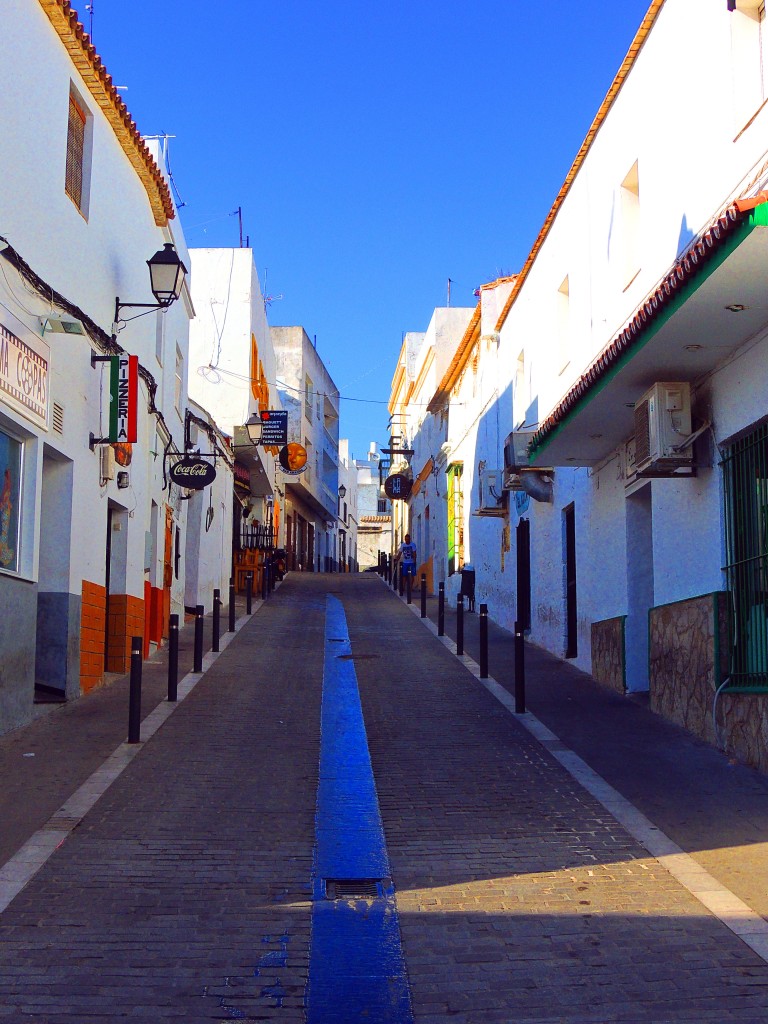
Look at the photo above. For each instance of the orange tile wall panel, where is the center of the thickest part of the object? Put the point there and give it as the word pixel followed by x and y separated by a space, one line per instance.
pixel 92 635
pixel 126 620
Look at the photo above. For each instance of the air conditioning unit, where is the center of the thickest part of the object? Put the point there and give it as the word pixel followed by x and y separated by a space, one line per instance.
pixel 492 501
pixel 516 449
pixel 107 462
pixel 662 428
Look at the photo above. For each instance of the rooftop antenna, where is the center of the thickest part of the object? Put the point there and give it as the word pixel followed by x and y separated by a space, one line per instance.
pixel 450 282
pixel 239 214
pixel 268 299
pixel 89 8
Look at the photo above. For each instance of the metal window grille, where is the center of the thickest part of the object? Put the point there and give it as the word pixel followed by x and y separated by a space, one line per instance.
pixel 73 183
pixel 745 470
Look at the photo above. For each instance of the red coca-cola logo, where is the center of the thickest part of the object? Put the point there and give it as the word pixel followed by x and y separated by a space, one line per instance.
pixel 192 473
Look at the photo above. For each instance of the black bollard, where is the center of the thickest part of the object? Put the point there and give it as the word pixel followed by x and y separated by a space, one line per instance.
pixel 400 579
pixel 264 580
pixel 271 577
pixel 519 670
pixel 408 587
pixel 248 593
pixel 423 595
pixel 441 610
pixel 216 620
pixel 388 573
pixel 483 641
pixel 173 657
pixel 134 697
pixel 199 614
pixel 460 624
pixel 231 605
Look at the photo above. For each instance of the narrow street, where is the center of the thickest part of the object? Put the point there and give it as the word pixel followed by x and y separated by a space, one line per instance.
pixel 270 855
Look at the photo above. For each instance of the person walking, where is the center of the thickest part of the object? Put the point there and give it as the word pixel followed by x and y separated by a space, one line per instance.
pixel 407 554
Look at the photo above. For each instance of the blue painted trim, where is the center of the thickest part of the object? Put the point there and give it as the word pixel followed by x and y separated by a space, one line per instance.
pixel 356 969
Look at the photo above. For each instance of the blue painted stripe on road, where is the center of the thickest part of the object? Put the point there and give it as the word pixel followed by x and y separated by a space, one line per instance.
pixel 356 969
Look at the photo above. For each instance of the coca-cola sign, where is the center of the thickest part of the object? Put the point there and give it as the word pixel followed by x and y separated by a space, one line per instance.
pixel 193 473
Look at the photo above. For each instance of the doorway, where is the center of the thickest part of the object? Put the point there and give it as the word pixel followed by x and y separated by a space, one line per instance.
pixel 523 549
pixel 571 611
pixel 640 586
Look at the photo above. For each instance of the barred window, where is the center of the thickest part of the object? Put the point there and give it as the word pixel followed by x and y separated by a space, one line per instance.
pixel 745 469
pixel 73 184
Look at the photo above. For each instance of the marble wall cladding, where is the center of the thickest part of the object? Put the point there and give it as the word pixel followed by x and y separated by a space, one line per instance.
pixel 684 644
pixel 608 653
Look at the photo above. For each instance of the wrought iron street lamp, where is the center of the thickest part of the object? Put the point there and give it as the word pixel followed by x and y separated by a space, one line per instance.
pixel 166 277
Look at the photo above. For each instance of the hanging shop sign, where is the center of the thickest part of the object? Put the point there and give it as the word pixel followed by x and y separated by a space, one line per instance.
pixel 274 426
pixel 124 398
pixel 293 458
pixel 192 472
pixel 24 376
pixel 398 486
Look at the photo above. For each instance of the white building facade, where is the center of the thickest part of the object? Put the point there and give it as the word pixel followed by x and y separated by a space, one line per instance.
pixel 92 536
pixel 621 393
pixel 311 495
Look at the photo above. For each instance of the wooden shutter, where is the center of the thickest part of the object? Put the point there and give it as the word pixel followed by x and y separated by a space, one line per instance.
pixel 75 150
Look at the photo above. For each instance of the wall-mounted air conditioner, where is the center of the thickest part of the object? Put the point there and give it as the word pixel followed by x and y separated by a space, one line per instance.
pixel 663 430
pixel 516 449
pixel 491 493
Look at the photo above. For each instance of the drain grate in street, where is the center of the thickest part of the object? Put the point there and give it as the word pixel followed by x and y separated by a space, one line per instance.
pixel 353 888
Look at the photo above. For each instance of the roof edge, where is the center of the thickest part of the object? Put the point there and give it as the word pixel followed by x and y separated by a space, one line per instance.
pixel 72 34
pixel 621 75
pixel 456 364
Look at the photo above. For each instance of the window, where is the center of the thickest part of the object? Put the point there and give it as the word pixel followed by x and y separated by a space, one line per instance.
pixel 159 335
pixel 750 59
pixel 10 498
pixel 179 382
pixel 308 390
pixel 745 469
pixel 455 519
pixel 381 506
pixel 77 173
pixel 629 227
pixel 563 356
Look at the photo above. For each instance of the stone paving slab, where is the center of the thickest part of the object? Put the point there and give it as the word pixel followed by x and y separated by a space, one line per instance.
pixel 520 897
pixel 184 894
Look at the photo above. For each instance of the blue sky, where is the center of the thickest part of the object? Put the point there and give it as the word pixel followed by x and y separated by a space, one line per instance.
pixel 376 150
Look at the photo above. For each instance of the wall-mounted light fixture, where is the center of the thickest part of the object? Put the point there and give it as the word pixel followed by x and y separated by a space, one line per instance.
pixel 166 277
pixel 123 479
pixel 342 491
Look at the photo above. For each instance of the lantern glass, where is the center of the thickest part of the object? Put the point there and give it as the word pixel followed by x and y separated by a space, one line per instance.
pixel 166 273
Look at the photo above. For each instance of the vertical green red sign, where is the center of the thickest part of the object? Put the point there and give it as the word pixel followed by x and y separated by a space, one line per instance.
pixel 124 394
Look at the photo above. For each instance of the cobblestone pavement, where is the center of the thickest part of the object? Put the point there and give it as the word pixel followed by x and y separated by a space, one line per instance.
pixel 184 895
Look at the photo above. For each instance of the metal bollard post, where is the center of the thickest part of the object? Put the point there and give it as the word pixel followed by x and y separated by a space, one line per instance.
pixel 271 577
pixel 423 595
pixel 408 587
pixel 483 641
pixel 216 620
pixel 264 580
pixel 231 605
pixel 519 670
pixel 400 580
pixel 134 697
pixel 173 657
pixel 441 610
pixel 248 592
pixel 199 614
pixel 460 624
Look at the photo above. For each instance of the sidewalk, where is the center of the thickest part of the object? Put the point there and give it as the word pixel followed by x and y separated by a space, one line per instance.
pixel 45 761
pixel 709 805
